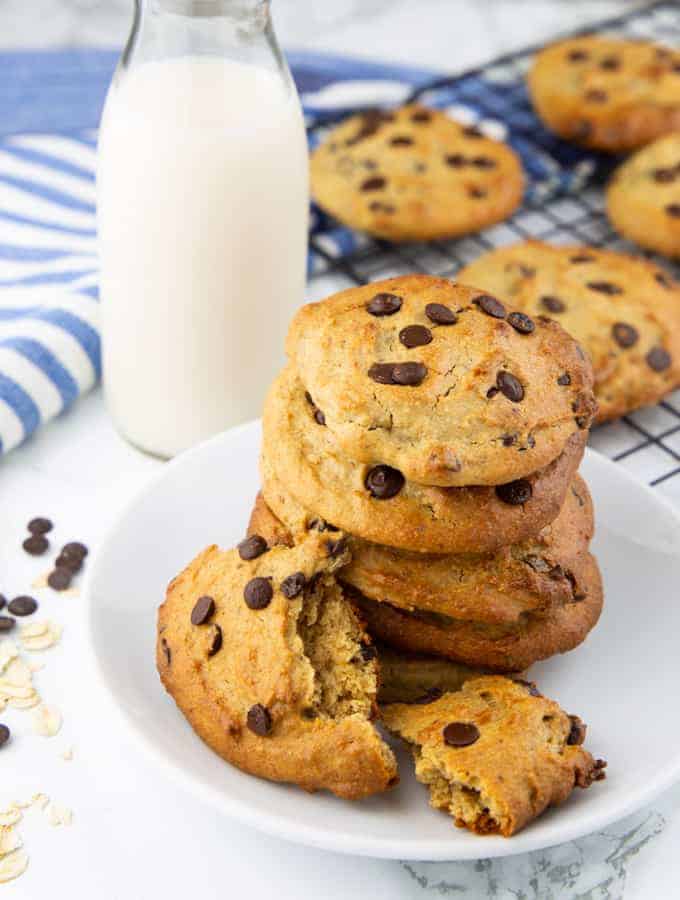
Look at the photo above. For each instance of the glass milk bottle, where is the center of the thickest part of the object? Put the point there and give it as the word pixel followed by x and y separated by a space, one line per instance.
pixel 202 218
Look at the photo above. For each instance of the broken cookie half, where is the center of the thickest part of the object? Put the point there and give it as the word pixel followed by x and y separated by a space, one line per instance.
pixel 495 754
pixel 272 668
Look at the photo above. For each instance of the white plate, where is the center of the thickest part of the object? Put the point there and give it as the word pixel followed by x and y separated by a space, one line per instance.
pixel 620 681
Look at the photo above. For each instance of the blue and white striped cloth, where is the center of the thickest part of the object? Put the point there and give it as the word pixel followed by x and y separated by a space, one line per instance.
pixel 49 109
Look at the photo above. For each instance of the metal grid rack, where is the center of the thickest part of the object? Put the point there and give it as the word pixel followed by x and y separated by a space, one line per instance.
pixel 646 442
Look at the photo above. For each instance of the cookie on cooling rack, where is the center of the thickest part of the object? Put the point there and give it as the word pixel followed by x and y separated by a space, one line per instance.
pixel 496 753
pixel 643 197
pixel 624 311
pixel 414 174
pixel 607 93
pixel 272 668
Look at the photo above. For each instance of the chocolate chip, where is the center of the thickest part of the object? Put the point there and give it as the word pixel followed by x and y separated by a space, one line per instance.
pixel 252 547
pixel 6 624
pixel 293 585
pixel 36 544
pixel 490 306
pixel 215 644
pixel 421 115
pixel 493 390
pixel 460 734
pixel 605 287
pixel 376 183
pixel 73 563
pixel 60 579
pixel 378 206
pixel 382 373
pixel 430 695
pixel 415 336
pixel 384 482
pixel 595 95
pixel 166 650
pixel 75 548
pixel 319 417
pixel 369 123
pixel 477 192
pixel 577 732
pixel 658 359
pixel 203 610
pixel 409 374
pixel 529 685
pixel 40 526
pixel 3 601
pixel 581 258
pixel 384 305
pixel 22 606
pixel 553 304
pixel 472 131
pixel 509 439
pixel 510 386
pixel 564 379
pixel 521 322
pixel 673 210
pixel 663 279
pixel 610 63
pixel 258 593
pixel 336 548
pixel 455 160
pixel 440 314
pixel 664 176
pixel 515 493
pixel 624 335
pixel 4 735
pixel 401 140
pixel 317 524
pixel 578 55
pixel 367 652
pixel 483 162
pixel 259 720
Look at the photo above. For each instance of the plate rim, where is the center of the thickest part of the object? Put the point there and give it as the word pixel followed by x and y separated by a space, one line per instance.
pixel 286 827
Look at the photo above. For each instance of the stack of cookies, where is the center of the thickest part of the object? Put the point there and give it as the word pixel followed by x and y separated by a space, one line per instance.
pixel 442 432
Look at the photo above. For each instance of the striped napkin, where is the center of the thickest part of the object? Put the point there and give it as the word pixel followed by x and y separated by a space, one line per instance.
pixel 50 104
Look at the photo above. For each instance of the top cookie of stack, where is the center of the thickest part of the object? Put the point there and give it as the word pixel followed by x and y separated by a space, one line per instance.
pixel 469 418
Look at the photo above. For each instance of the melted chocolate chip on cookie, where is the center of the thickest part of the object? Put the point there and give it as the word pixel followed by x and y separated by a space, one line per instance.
pixel 490 306
pixel 673 210
pixel 258 593
pixel 624 335
pixel 384 482
pixel 376 183
pixel 515 493
pixel 553 304
pixel 510 386
pixel 203 610
pixel 410 374
pixel 658 359
pixel 293 585
pixel 440 314
pixel 252 547
pixel 415 336
pixel 215 644
pixel 564 379
pixel 460 734
pixel 259 720
pixel 384 305
pixel 522 323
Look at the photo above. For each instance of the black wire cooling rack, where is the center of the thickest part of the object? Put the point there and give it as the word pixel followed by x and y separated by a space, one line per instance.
pixel 647 442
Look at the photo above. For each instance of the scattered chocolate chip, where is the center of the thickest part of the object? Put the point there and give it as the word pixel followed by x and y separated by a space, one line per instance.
pixel 490 306
pixel 215 644
pixel 376 183
pixel 3 601
pixel 421 115
pixel 415 336
pixel 664 176
pixel 430 695
pixel 252 547
pixel 203 610
pixel 336 548
pixel 510 386
pixel 605 287
pixel 40 526
pixel 5 735
pixel 381 372
pixel 529 685
pixel 409 374
pixel 258 593
pixel 73 563
pixel 577 732
pixel 460 734
pixel 22 606
pixel 259 720
pixel 663 279
pixel 610 63
pixel 564 379
pixel 36 544
pixel 60 579
pixel 293 585
pixel 476 192
pixel 578 55
pixel 367 652
pixel 401 140
pixel 384 482
pixel 440 314
pixel 483 162
pixel 509 439
pixel 6 623
pixel 624 335
pixel 166 650
pixel 595 95
pixel 658 359
pixel 522 323
pixel 553 304
pixel 75 548
pixel 455 160
pixel 673 210
pixel 515 493
pixel 384 305
pixel 581 258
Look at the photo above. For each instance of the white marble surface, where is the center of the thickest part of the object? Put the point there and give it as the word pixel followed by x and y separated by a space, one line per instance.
pixel 135 835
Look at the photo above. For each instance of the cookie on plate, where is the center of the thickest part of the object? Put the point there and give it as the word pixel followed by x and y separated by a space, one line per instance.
pixel 624 312
pixel 414 174
pixel 606 93
pixel 496 753
pixel 497 589
pixel 377 503
pixel 272 668
pixel 503 647
pixel 643 197
pixel 440 381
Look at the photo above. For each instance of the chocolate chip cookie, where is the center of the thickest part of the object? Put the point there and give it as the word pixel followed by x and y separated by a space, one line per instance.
pixel 377 503
pixel 272 668
pixel 606 93
pixel 414 174
pixel 625 312
pixel 496 753
pixel 440 383
pixel 643 197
